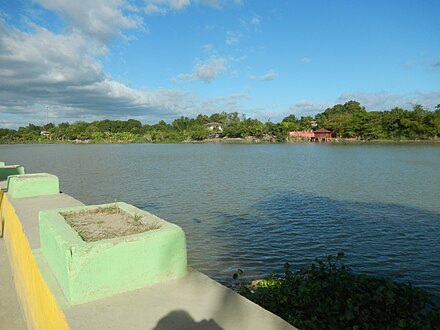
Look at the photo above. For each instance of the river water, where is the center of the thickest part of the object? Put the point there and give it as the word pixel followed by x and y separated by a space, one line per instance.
pixel 255 207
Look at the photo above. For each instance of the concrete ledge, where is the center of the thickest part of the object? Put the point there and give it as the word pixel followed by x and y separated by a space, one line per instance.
pixel 194 302
pixel 39 304
pixel 87 271
pixel 31 185
pixel 8 170
pixel 191 302
pixel 11 316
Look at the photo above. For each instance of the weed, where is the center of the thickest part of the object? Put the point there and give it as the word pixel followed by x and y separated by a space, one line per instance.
pixel 328 296
pixel 137 217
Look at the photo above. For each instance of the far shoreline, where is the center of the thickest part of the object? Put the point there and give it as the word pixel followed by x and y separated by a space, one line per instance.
pixel 246 141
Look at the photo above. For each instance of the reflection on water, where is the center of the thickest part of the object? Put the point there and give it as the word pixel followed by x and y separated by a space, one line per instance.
pixel 257 206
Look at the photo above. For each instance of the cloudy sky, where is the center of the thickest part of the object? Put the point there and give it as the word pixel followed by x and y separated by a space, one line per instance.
pixel 160 59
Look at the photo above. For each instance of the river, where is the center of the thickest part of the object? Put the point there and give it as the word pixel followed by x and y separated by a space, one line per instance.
pixel 255 207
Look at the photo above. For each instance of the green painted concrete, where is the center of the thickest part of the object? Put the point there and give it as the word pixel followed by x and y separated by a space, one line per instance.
pixel 8 170
pixel 32 185
pixel 90 271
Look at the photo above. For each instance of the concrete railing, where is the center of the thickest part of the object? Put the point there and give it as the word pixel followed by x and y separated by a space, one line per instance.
pixel 136 281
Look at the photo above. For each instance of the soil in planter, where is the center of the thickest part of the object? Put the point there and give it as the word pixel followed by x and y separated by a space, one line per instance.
pixel 106 222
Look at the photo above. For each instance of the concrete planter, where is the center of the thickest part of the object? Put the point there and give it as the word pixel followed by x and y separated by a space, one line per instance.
pixel 8 170
pixel 32 185
pixel 88 271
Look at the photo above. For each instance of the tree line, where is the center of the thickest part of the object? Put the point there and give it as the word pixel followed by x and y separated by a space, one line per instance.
pixel 347 121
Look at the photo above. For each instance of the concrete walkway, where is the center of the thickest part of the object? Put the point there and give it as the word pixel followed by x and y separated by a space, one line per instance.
pixel 192 302
pixel 11 316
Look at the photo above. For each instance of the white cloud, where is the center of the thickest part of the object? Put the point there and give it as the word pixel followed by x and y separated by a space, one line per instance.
pixel 270 75
pixel 386 101
pixel 164 6
pixel 41 68
pixel 100 19
pixel 153 8
pixel 252 23
pixel 206 71
pixel 256 21
pixel 232 38
pixel 40 58
pixel 306 59
pixel 208 48
pixel 371 101
pixel 307 108
pixel 212 3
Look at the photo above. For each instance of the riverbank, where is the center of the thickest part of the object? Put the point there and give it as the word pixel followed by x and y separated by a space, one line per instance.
pixel 247 140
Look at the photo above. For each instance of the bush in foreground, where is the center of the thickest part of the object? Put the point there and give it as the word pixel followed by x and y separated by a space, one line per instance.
pixel 328 296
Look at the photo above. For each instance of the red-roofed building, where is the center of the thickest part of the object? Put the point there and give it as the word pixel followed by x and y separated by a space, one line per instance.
pixel 318 135
pixel 323 134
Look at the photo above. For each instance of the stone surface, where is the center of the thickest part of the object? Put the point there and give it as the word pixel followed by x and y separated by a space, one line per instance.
pixel 32 185
pixel 87 271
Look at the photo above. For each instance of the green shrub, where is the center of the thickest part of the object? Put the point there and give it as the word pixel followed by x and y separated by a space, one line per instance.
pixel 329 296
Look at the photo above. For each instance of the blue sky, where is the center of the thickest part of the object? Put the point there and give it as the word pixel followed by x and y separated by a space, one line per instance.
pixel 161 59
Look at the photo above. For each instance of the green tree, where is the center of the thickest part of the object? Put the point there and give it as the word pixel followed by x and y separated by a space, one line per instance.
pixel 345 120
pixel 291 123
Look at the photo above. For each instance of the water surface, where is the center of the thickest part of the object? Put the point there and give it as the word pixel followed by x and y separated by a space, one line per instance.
pixel 255 207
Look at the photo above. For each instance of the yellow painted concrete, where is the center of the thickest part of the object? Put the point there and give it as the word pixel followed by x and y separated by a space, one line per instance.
pixel 39 304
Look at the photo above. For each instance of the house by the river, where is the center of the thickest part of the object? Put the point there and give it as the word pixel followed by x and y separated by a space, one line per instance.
pixel 321 134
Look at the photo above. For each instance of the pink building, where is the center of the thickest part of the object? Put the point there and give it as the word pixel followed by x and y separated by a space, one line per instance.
pixel 318 135
pixel 302 134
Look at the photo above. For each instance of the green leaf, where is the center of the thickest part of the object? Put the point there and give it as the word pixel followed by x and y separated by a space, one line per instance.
pixel 402 323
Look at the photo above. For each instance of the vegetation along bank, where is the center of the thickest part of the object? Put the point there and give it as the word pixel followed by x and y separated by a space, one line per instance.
pixel 347 122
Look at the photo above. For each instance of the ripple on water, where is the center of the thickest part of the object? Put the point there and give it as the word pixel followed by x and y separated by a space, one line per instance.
pixel 256 207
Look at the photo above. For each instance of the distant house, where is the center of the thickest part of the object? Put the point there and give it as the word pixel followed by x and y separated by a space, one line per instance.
pixel 323 134
pixel 318 135
pixel 45 133
pixel 214 126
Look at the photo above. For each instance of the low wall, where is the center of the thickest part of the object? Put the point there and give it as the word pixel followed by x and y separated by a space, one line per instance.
pixel 179 300
pixel 8 170
pixel 94 270
pixel 40 306
pixel 31 185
